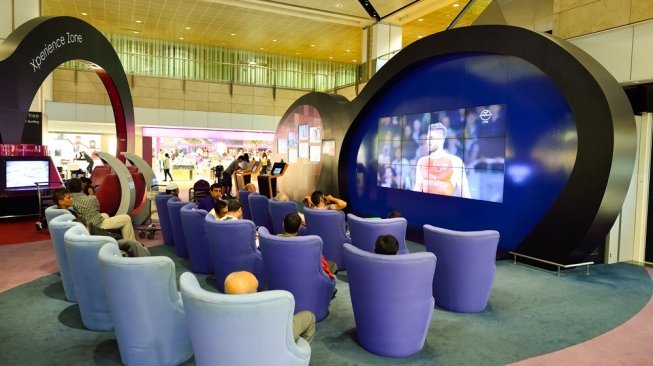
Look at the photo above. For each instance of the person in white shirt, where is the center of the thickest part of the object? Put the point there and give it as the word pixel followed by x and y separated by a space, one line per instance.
pixel 234 210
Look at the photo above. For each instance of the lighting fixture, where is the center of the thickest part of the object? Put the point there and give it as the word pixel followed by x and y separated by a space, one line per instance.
pixel 456 5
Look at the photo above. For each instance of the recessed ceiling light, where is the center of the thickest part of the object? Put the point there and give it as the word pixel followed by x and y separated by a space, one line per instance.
pixel 348 50
pixel 182 38
pixel 296 53
pixel 456 5
pixel 84 13
pixel 274 40
pixel 139 21
pixel 354 60
pixel 338 5
pixel 187 28
pixel 136 32
pixel 420 20
pixel 221 42
pixel 261 48
pixel 312 45
pixel 232 34
pixel 419 36
pixel 330 57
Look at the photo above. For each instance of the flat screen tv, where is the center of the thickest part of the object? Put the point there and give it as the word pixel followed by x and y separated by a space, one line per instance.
pixel 25 173
pixel 459 152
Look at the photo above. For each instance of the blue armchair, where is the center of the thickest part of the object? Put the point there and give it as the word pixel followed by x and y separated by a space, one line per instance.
pixel 258 205
pixel 294 264
pixel 161 201
pixel 174 208
pixel 330 226
pixel 278 212
pixel 466 267
pixel 392 300
pixel 243 196
pixel 249 329
pixel 364 232
pixel 146 308
pixel 197 243
pixel 53 211
pixel 58 226
pixel 82 250
pixel 232 247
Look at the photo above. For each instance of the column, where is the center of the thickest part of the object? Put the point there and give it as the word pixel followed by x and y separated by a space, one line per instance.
pixel 380 42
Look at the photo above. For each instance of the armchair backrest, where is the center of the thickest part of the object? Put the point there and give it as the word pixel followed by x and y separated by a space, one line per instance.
pixel 294 264
pixel 140 187
pixel 330 226
pixel 258 205
pixel 364 232
pixel 82 250
pixel 174 208
pixel 392 319
pixel 58 227
pixel 108 194
pixel 197 244
pixel 53 211
pixel 278 212
pixel 232 247
pixel 146 309
pixel 466 267
pixel 161 201
pixel 216 327
pixel 243 195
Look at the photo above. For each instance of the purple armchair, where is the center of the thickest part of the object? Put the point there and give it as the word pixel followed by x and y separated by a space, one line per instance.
pixel 197 243
pixel 161 201
pixel 174 208
pixel 466 267
pixel 244 201
pixel 364 232
pixel 392 300
pixel 294 264
pixel 232 247
pixel 330 226
pixel 278 212
pixel 258 205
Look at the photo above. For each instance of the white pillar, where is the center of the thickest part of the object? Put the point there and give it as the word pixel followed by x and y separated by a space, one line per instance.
pixel 380 42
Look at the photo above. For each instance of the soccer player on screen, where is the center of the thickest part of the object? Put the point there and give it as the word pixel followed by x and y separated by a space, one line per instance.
pixel 440 172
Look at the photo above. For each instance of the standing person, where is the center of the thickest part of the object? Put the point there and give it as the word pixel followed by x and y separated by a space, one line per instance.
pixel 440 172
pixel 166 168
pixel 227 183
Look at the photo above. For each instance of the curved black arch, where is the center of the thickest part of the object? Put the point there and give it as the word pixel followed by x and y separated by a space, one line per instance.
pixel 36 48
pixel 588 205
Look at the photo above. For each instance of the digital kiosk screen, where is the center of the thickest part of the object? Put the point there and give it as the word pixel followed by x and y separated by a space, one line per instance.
pixel 458 152
pixel 24 173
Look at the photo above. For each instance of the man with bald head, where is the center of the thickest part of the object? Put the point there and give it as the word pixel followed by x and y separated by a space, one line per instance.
pixel 243 282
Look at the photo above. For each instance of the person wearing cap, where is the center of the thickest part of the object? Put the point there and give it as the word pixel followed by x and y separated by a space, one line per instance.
pixel 440 172
pixel 243 282
pixel 173 189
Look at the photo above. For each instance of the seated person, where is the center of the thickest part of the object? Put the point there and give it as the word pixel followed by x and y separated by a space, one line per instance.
pixel 87 186
pixel 88 210
pixel 281 197
pixel 250 187
pixel 317 200
pixel 394 214
pixel 291 224
pixel 244 282
pixel 173 189
pixel 234 210
pixel 386 244
pixel 132 248
pixel 219 209
pixel 207 203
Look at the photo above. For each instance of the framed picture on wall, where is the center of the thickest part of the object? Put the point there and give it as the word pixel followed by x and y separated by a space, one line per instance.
pixel 316 134
pixel 303 132
pixel 292 155
pixel 315 153
pixel 292 138
pixel 329 147
pixel 282 146
pixel 303 150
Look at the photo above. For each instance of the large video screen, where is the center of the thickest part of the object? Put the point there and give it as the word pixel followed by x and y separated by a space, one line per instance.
pixel 24 173
pixel 459 152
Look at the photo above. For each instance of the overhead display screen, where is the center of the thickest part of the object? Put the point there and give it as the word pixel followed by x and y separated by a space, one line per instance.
pixel 459 152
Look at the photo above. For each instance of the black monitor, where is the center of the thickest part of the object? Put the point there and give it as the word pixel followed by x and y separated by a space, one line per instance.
pixel 255 166
pixel 277 168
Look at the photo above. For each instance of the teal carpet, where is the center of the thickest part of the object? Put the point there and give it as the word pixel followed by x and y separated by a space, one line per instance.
pixel 531 312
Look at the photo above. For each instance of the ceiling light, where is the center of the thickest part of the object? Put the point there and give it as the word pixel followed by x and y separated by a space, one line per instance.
pixel 274 40
pixel 338 5
pixel 456 5
pixel 312 45
pixel 187 28
pixel 232 34
pixel 354 60
pixel 348 50
pixel 261 48
pixel 330 57
pixel 182 38
pixel 84 13
pixel 136 32
pixel 139 22
pixel 419 36
pixel 296 53
pixel 420 20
